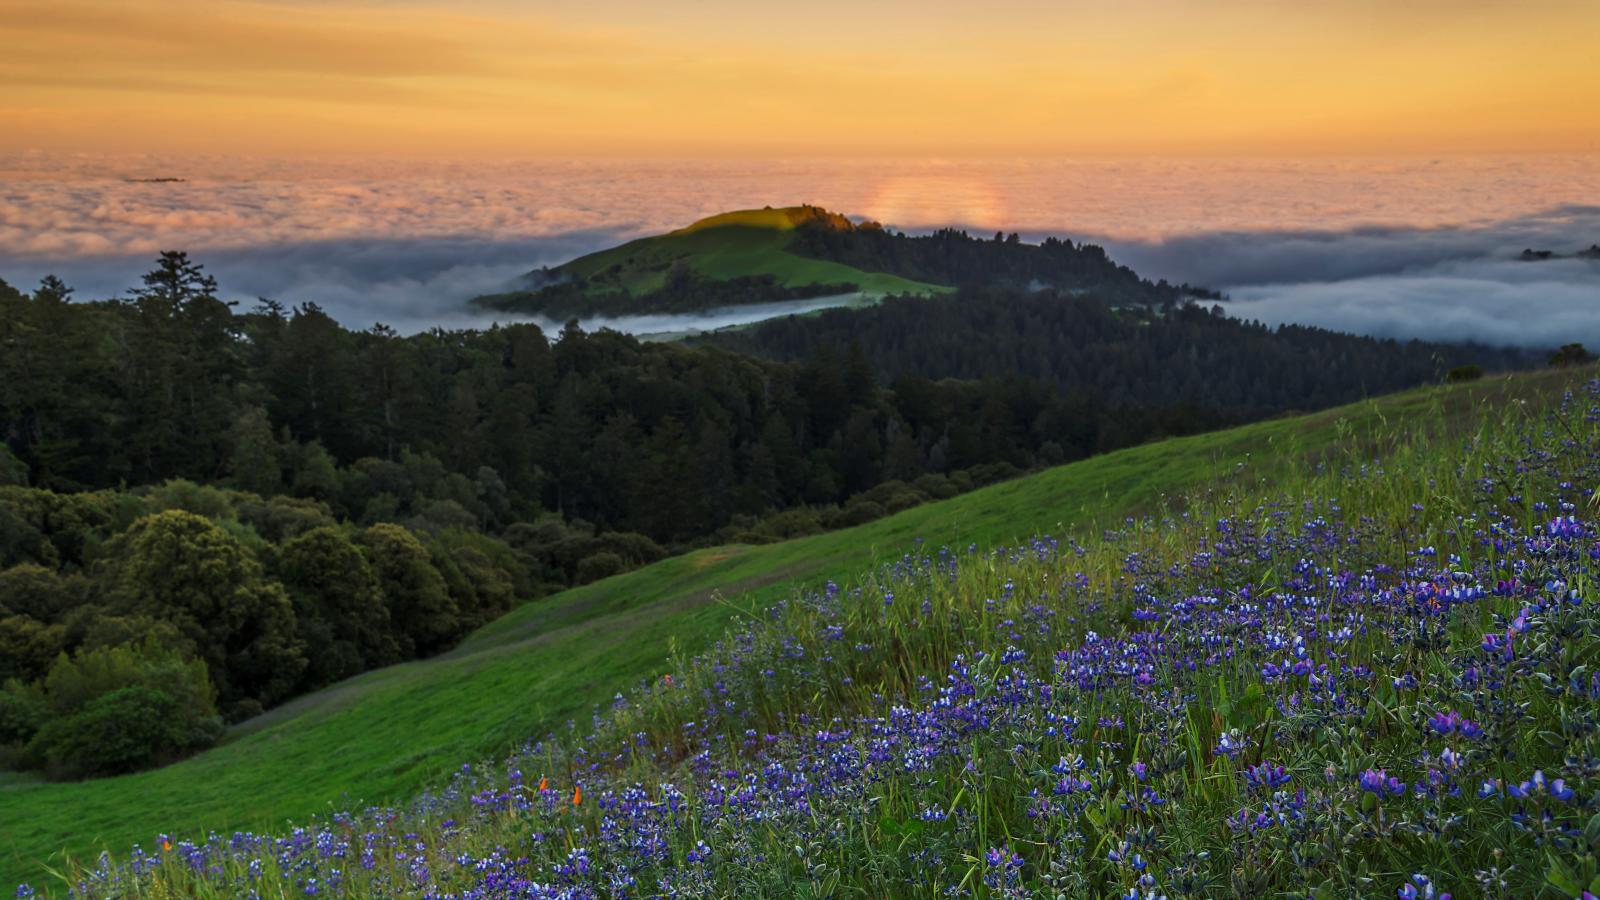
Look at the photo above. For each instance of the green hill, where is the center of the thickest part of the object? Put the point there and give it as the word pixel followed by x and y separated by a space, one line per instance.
pixel 388 733
pixel 744 243
pixel 790 253
pixel 744 246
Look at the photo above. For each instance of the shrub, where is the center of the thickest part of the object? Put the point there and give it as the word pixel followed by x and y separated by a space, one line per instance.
pixel 109 711
pixel 791 523
pixel 128 729
pixel 1571 355
pixel 1464 373
pixel 936 486
pixel 904 500
pixel 990 473
pixel 858 512
pixel 601 565
pixel 23 711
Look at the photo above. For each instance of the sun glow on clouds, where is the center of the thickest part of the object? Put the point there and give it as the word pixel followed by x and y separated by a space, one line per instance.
pixel 937 196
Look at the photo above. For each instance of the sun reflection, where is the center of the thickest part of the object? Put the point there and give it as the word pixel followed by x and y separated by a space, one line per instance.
pixel 937 197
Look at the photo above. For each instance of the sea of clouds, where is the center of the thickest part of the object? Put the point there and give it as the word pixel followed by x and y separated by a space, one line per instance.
pixel 1414 248
pixel 1461 283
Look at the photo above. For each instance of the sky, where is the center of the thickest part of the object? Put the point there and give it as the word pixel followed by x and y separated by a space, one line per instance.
pixel 739 78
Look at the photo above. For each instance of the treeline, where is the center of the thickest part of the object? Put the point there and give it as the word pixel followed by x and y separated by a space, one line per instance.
pixel 682 445
pixel 953 257
pixel 631 445
pixel 1113 361
pixel 683 289
pixel 486 429
pixel 133 624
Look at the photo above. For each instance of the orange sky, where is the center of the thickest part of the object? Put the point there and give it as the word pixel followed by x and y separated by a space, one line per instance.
pixel 825 77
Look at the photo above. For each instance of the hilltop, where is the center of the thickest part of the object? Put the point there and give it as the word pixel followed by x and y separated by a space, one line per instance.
pixel 774 254
pixel 383 735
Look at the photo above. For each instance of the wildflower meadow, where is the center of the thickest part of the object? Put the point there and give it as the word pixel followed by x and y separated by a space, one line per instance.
pixel 1374 677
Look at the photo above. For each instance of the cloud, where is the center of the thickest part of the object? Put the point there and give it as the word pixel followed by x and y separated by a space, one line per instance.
pixel 1500 302
pixel 411 284
pixel 1457 284
pixel 406 243
pixel 1239 257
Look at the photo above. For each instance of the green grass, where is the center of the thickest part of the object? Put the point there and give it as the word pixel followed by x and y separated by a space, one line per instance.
pixel 389 733
pixel 730 245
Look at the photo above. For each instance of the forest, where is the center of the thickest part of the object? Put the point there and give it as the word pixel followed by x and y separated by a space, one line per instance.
pixel 951 256
pixel 206 511
pixel 1125 358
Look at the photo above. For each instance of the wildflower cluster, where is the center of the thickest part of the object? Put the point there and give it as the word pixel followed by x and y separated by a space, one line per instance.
pixel 1333 693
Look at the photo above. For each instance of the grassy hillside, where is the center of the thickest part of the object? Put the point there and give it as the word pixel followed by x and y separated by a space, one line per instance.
pixel 729 245
pixel 728 259
pixel 388 733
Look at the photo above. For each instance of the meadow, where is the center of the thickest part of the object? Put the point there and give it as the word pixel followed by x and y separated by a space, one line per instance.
pixel 821 741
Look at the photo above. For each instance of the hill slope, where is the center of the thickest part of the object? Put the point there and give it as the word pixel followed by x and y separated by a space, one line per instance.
pixel 742 243
pixel 387 733
pixel 765 255
pixel 748 248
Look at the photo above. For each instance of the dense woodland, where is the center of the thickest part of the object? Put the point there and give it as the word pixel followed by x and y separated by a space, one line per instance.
pixel 204 511
pixel 133 624
pixel 1188 357
pixel 953 257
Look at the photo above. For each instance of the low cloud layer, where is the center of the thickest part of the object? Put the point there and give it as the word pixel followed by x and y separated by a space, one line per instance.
pixel 1500 302
pixel 1438 283
pixel 408 284
pixel 407 244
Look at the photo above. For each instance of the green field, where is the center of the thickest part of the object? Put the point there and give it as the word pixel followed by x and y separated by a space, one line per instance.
pixel 730 245
pixel 388 733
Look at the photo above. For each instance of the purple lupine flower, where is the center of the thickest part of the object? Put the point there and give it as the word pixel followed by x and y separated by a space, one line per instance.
pixel 1452 722
pixel 1420 887
pixel 1379 782
pixel 1266 776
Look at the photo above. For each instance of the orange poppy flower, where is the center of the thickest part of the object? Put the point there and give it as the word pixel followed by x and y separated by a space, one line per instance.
pixel 577 796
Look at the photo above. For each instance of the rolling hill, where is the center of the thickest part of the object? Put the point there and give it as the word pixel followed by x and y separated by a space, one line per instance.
pixel 748 248
pixel 744 243
pixel 776 254
pixel 387 734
